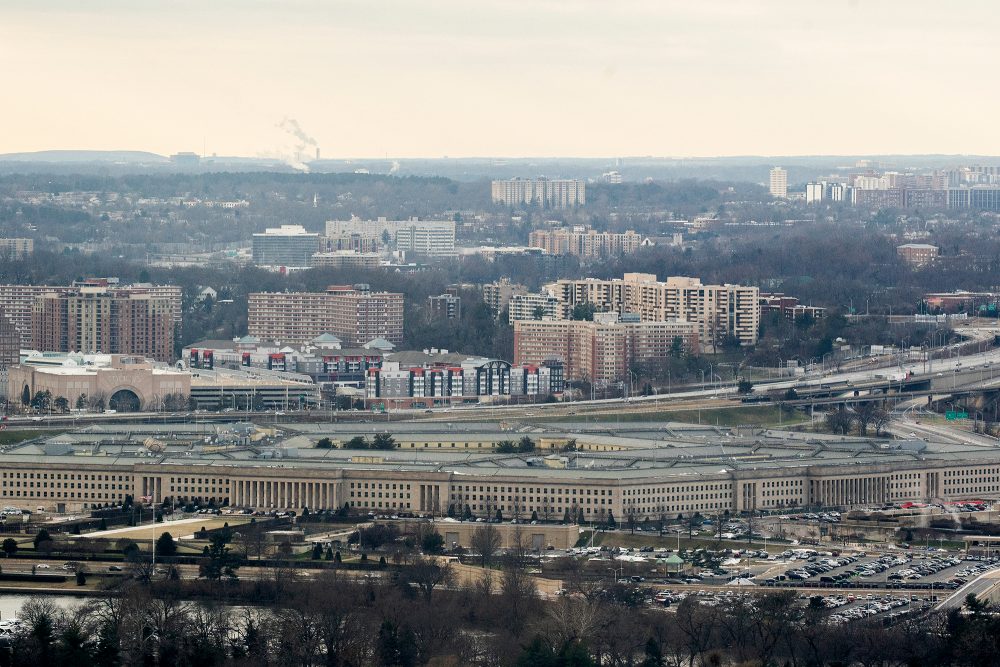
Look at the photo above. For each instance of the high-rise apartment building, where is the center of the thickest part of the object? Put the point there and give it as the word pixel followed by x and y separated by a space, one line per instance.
pixel 18 301
pixel 427 238
pixel 445 306
pixel 356 315
pixel 14 248
pixel 544 305
pixel 602 350
pixel 287 245
pixel 543 192
pixel 718 310
pixel 585 242
pixel 102 320
pixel 498 294
pixel 10 349
pixel 779 183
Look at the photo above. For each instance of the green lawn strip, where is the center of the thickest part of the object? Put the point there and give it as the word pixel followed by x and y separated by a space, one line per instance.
pixel 734 416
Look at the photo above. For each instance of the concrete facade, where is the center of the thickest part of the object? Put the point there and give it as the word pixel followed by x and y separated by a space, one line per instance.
pixel 120 373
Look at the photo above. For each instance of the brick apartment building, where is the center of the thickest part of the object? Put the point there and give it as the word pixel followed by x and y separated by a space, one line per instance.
pixel 18 301
pixel 601 350
pixel 98 319
pixel 356 315
pixel 917 254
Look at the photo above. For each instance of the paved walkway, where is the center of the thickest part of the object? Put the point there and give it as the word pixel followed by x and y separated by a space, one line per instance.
pixel 146 529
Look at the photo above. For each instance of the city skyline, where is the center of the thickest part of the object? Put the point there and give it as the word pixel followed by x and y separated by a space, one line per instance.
pixel 439 78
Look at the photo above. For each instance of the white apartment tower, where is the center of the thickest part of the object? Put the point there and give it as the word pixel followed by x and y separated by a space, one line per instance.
pixel 779 183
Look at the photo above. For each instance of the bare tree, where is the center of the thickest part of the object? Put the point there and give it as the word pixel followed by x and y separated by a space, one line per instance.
pixel 485 541
pixel 880 419
pixel 518 595
pixel 864 413
pixel 427 574
pixel 839 421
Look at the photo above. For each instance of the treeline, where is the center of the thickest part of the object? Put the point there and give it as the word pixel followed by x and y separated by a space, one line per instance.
pixel 498 621
pixel 379 441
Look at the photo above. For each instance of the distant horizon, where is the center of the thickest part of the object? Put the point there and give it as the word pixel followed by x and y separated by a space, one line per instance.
pixel 732 156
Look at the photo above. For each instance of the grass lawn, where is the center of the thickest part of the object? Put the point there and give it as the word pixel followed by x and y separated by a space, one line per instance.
pixel 761 415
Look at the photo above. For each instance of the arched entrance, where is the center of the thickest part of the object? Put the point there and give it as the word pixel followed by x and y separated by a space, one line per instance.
pixel 124 400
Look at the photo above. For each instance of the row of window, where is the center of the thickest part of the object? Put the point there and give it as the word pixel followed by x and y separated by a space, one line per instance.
pixel 69 476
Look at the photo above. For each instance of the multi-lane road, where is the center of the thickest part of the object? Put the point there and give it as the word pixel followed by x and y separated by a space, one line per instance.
pixel 944 375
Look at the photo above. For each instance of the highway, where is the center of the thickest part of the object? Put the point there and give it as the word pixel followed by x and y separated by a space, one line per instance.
pixel 979 587
pixel 971 370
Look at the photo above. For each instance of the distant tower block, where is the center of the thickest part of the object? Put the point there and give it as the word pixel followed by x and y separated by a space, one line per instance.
pixel 778 183
pixel 315 199
pixel 317 152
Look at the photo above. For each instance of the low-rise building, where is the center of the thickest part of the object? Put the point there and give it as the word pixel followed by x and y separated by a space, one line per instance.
pixel 124 383
pixel 641 470
pixel 917 254
pixel 346 259
pixel 252 389
pixel 788 307
pixel 961 301
pixel 424 380
pixel 322 359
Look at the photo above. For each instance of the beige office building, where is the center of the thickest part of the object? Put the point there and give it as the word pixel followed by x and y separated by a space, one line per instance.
pixel 684 469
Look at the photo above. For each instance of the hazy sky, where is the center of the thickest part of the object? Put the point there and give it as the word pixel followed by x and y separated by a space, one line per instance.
pixel 411 78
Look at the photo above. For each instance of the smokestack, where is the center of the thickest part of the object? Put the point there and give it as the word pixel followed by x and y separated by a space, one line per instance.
pixel 317 152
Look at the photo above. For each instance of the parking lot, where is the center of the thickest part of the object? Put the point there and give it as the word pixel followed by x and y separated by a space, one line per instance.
pixel 842 607
pixel 900 570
